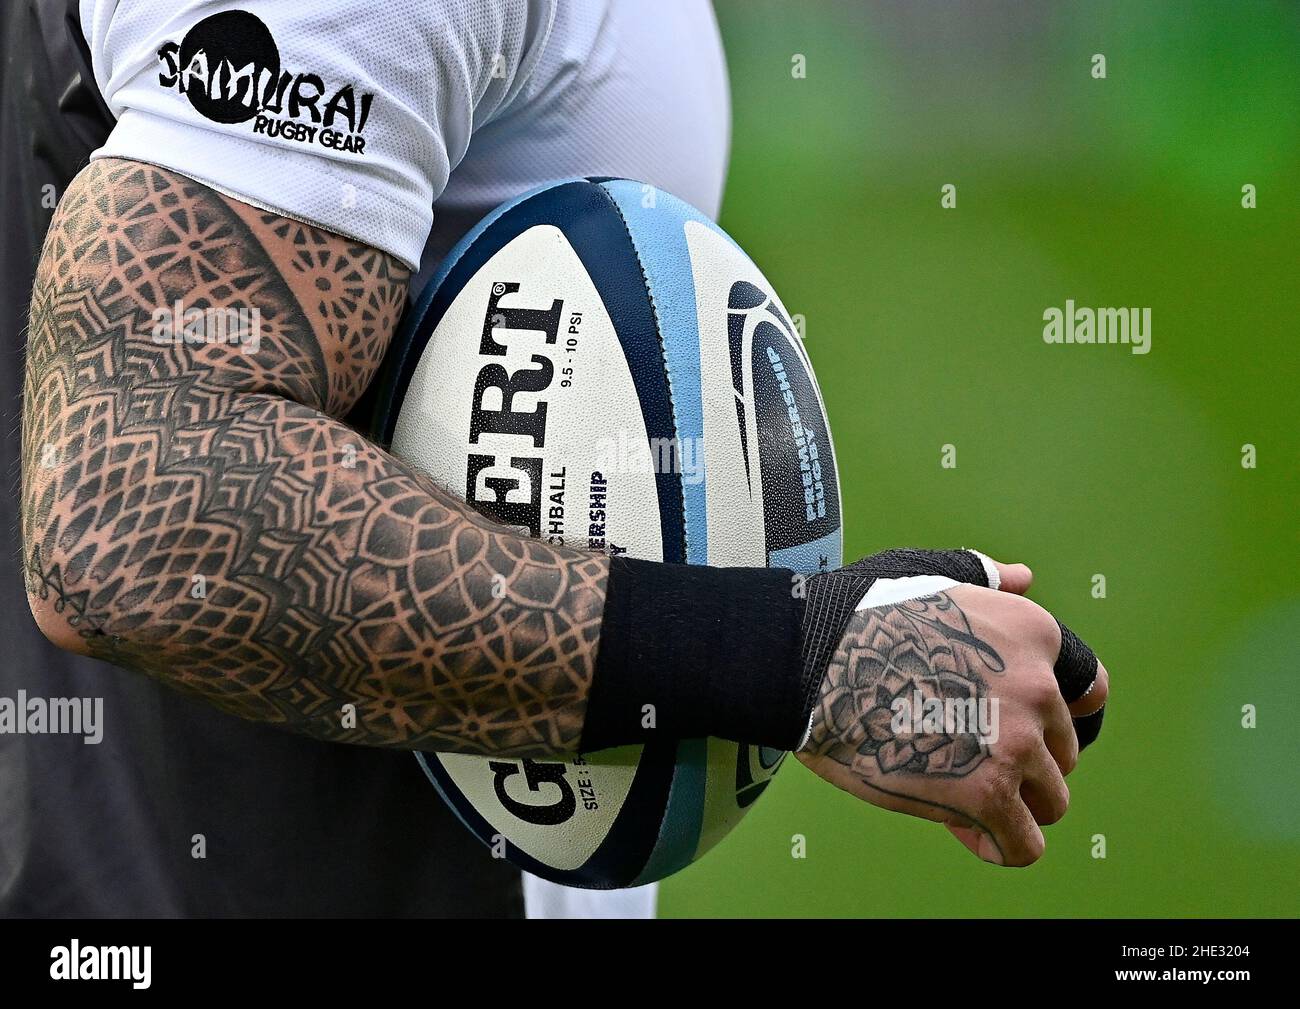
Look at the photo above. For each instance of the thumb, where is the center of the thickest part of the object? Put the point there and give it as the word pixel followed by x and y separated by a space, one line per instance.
pixel 1011 577
pixel 977 842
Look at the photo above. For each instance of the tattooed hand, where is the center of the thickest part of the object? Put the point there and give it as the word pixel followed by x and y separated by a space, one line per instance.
pixel 945 706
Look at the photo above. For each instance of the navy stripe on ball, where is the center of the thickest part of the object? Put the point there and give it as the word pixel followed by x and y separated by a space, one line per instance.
pixel 621 857
pixel 595 230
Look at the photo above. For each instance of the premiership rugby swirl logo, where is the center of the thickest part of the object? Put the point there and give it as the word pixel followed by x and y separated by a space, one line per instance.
pixel 777 386
pixel 228 66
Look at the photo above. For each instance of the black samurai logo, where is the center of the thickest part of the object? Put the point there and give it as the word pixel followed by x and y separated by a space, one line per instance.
pixel 228 66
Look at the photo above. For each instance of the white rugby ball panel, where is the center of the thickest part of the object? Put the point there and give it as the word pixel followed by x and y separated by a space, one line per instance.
pixel 573 371
pixel 466 436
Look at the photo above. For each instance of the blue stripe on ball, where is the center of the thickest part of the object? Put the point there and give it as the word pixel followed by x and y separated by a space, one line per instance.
pixel 660 240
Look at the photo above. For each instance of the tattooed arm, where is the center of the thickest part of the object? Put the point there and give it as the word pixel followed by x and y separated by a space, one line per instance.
pixel 196 511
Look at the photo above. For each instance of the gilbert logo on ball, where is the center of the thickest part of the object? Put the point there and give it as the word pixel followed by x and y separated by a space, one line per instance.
pixel 570 320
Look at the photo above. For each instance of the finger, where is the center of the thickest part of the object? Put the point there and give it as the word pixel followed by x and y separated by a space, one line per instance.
pixel 1005 577
pixel 1060 735
pixel 1088 728
pixel 1014 577
pixel 1044 790
pixel 1084 684
pixel 1017 839
pixel 1095 697
pixel 978 841
pixel 972 838
pixel 1075 666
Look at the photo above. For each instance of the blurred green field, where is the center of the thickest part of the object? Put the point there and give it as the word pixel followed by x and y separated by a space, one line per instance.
pixel 925 326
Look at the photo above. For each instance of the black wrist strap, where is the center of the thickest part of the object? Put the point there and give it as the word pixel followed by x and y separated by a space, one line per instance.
pixel 740 653
pixel 688 651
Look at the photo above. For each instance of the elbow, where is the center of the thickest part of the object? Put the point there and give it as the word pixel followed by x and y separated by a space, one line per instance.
pixel 49 566
pixel 52 609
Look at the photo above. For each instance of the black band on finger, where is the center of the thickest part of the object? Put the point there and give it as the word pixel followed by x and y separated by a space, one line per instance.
pixel 1076 666
pixel 1088 727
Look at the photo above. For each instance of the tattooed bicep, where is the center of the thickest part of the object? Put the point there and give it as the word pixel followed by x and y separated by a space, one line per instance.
pixel 199 285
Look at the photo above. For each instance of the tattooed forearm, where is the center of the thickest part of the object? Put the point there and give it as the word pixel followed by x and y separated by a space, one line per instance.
pixel 191 509
pixel 893 686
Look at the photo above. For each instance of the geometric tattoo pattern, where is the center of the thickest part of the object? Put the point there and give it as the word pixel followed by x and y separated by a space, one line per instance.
pixel 920 650
pixel 198 512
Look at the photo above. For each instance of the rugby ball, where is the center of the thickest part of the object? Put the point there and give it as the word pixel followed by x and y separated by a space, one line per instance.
pixel 600 365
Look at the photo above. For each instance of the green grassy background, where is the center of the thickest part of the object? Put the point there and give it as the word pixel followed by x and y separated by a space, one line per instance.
pixel 925 326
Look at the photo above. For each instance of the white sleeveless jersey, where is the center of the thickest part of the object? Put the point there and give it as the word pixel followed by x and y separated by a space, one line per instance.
pixel 400 123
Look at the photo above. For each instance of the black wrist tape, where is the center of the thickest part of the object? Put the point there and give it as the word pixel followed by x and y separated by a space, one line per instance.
pixel 688 651
pixel 834 596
